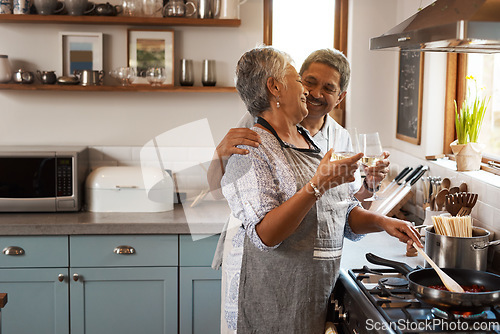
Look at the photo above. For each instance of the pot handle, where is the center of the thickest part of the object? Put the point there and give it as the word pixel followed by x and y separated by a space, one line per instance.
pixel 483 246
pixel 403 268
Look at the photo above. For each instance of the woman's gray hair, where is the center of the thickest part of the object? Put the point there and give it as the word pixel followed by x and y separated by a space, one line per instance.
pixel 252 72
pixel 333 58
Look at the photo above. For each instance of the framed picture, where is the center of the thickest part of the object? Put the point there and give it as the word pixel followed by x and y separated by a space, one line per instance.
pixel 409 123
pixel 151 48
pixel 80 51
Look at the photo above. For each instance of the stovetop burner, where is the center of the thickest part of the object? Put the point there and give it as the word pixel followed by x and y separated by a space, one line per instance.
pixel 387 292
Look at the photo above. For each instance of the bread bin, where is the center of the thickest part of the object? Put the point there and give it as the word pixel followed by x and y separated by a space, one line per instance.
pixel 129 189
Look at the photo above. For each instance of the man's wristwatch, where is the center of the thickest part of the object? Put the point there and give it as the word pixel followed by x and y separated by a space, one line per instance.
pixel 370 189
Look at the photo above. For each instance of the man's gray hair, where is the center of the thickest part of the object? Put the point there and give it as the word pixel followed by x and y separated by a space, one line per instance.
pixel 253 70
pixel 333 58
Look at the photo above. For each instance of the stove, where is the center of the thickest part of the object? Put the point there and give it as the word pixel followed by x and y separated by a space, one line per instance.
pixel 371 301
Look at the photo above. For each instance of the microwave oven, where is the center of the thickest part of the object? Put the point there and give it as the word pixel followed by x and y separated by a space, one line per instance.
pixel 42 179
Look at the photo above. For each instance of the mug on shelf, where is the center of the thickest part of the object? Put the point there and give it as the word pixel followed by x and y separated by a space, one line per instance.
pixel 48 7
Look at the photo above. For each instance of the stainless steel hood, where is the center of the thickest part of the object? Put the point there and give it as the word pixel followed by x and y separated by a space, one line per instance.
pixel 447 26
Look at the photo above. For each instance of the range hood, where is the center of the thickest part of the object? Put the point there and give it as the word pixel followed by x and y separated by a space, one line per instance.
pixel 447 26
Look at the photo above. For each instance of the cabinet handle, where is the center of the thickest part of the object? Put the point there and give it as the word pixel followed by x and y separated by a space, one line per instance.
pixel 13 250
pixel 76 277
pixel 60 278
pixel 125 250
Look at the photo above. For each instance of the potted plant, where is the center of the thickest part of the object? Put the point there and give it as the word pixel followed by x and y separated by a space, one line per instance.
pixel 468 121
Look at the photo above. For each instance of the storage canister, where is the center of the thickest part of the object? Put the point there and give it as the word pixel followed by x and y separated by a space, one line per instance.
pixel 5 69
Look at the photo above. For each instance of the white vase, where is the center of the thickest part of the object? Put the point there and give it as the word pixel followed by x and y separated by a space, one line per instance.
pixel 5 69
pixel 468 156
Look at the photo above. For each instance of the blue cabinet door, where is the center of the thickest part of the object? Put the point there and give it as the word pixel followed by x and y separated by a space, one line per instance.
pixel 37 301
pixel 199 300
pixel 124 300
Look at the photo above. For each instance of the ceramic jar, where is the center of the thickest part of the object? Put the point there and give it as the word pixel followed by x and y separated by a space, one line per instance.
pixel 5 69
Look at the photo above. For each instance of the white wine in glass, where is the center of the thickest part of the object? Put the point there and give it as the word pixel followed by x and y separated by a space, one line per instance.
pixel 372 150
pixel 345 144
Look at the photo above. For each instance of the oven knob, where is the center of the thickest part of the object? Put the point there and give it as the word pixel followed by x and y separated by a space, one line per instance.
pixel 339 310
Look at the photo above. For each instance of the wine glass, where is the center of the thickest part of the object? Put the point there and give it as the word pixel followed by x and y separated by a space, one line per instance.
pixel 125 75
pixel 372 150
pixel 345 144
pixel 156 75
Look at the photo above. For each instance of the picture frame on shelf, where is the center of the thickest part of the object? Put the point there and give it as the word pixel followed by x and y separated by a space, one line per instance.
pixel 80 51
pixel 151 48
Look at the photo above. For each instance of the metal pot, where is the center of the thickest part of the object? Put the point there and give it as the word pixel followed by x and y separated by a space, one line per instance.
pixel 455 252
pixel 89 77
pixel 23 77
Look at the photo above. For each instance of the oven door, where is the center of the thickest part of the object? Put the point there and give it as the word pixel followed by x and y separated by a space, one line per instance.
pixel 28 183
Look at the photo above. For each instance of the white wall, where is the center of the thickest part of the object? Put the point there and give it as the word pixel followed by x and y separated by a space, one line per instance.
pixel 103 118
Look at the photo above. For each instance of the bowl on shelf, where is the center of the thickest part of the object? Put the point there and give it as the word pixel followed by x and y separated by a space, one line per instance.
pixel 124 75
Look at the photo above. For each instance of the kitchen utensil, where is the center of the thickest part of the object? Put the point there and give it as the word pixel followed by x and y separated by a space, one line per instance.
pixel 5 69
pixel 455 252
pixel 398 178
pixel 454 190
pixel 468 202
pixel 23 77
pixel 187 76
pixel 208 76
pixel 419 281
pixel 446 183
pixel 393 199
pixel 48 7
pixel 448 282
pixel 89 77
pixel 441 199
pixel 463 187
pixel 47 77
pixel 452 205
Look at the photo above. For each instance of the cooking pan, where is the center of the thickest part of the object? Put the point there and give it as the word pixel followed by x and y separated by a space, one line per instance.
pixel 420 280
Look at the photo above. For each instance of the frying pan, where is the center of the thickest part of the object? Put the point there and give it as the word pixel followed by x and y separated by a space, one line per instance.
pixel 420 279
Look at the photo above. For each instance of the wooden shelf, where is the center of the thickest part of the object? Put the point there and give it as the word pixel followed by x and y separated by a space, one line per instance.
pixel 131 88
pixel 119 20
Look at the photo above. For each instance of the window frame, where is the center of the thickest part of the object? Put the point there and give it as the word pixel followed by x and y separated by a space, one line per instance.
pixel 456 90
pixel 339 40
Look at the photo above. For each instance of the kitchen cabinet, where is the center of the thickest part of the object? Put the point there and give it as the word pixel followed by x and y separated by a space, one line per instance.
pixel 97 284
pixel 123 284
pixel 33 273
pixel 116 20
pixel 199 286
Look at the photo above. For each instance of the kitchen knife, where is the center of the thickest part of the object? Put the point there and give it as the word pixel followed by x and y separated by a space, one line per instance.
pixel 403 192
pixel 398 178
pixel 388 199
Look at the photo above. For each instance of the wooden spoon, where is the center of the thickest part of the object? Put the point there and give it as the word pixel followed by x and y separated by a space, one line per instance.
pixel 454 190
pixel 441 199
pixel 463 187
pixel 448 282
pixel 446 183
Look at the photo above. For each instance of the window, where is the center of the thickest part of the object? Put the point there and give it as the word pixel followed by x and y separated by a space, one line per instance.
pixel 300 27
pixel 485 68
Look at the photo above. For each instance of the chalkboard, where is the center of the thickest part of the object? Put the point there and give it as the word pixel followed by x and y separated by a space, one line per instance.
pixel 411 65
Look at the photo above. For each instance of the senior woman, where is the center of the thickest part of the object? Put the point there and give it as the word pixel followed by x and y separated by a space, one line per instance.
pixel 294 205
